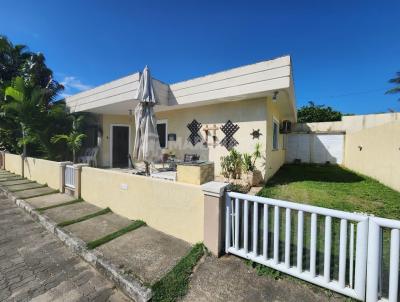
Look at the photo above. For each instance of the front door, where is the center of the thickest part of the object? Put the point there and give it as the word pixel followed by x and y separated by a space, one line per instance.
pixel 120 146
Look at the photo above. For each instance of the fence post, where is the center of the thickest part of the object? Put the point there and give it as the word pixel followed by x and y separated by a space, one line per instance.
pixel 214 204
pixel 373 262
pixel 78 184
pixel 62 175
pixel 22 165
pixel 2 160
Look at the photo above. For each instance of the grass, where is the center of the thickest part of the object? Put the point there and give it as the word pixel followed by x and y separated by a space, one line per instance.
pixel 59 205
pixel 336 188
pixel 333 187
pixel 133 226
pixel 98 213
pixel 174 285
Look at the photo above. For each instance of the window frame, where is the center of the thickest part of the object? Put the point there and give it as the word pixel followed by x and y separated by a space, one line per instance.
pixel 275 121
pixel 165 122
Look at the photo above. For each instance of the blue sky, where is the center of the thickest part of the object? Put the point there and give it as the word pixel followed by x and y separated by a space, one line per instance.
pixel 343 52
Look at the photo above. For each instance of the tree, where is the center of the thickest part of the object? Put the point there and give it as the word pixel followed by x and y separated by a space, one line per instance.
pixel 27 106
pixel 17 62
pixel 74 139
pixel 317 113
pixel 396 82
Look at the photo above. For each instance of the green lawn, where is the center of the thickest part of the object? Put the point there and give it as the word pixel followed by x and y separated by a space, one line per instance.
pixel 333 187
pixel 337 188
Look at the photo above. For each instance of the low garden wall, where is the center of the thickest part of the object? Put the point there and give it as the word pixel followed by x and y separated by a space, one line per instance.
pixel 13 163
pixel 43 171
pixel 173 208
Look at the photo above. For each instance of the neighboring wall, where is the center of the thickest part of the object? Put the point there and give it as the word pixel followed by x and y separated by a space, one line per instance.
pixel 13 163
pixel 349 123
pixel 379 156
pixel 42 171
pixel 174 208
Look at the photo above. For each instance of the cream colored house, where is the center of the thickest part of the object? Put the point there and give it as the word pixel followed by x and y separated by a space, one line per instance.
pixel 259 96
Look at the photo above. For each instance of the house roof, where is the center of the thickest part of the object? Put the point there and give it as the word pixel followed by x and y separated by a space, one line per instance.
pixel 261 79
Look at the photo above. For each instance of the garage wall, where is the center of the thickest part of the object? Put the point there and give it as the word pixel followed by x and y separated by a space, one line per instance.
pixel 315 148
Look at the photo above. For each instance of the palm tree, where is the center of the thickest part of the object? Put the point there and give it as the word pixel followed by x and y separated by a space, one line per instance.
pixel 74 139
pixel 396 82
pixel 21 105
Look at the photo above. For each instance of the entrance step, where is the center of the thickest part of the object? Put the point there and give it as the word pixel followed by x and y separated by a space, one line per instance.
pixel 98 227
pixel 49 200
pixel 145 253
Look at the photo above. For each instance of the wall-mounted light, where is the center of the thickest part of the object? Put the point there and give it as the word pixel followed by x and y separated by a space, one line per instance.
pixel 275 96
pixel 130 112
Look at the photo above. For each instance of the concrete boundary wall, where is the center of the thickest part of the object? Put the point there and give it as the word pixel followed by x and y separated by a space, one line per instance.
pixel 13 163
pixel 174 208
pixel 375 152
pixel 43 171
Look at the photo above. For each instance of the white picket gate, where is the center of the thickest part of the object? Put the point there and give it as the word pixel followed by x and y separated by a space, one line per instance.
pixel 263 230
pixel 69 176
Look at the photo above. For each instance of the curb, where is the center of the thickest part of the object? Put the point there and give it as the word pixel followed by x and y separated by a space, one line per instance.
pixel 129 285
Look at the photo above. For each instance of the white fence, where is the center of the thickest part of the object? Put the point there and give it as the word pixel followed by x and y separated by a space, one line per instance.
pixel 70 176
pixel 326 247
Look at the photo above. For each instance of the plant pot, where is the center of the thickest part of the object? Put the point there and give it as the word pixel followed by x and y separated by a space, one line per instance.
pixel 253 178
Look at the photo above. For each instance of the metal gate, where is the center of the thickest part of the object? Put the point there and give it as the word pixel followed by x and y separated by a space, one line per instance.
pixel 326 247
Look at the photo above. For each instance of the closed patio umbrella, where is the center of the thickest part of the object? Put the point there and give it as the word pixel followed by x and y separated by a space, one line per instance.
pixel 147 146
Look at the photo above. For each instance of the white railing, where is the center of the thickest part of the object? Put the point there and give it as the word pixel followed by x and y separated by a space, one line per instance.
pixel 268 240
pixel 378 268
pixel 69 176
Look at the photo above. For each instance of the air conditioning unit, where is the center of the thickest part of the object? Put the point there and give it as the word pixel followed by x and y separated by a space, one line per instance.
pixel 286 127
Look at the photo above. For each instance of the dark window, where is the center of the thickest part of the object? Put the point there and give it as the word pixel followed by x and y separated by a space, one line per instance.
pixel 275 144
pixel 162 134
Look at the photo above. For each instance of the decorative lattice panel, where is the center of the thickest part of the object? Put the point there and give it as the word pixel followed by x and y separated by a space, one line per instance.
pixel 194 128
pixel 229 129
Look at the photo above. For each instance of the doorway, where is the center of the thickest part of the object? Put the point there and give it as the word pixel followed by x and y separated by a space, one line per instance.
pixel 120 145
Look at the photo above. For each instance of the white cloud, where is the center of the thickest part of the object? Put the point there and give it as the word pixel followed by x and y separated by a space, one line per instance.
pixel 72 84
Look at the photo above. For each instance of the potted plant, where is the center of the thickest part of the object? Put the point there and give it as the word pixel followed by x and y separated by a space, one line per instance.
pixel 251 175
pixel 231 165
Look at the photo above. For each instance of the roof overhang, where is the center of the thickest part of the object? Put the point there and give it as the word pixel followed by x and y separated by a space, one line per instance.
pixel 247 82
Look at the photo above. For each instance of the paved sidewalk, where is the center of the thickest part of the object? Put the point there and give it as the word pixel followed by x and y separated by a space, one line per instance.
pixel 35 266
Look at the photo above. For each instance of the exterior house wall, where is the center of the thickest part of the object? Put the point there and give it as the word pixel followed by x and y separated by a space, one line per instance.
pixel 106 121
pixel 13 163
pixel 42 171
pixel 173 208
pixel 274 158
pixel 247 114
pixel 379 156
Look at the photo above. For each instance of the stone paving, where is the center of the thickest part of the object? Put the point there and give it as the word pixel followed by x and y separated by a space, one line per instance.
pixel 98 227
pixel 34 192
pixel 145 253
pixel 35 266
pixel 230 279
pixel 49 200
pixel 72 211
